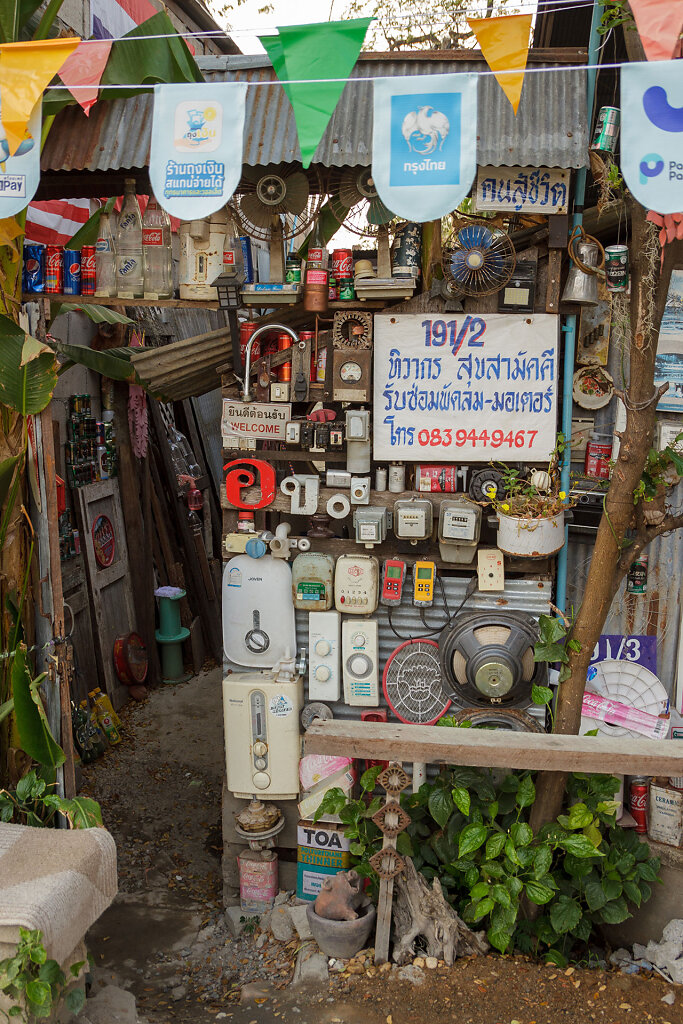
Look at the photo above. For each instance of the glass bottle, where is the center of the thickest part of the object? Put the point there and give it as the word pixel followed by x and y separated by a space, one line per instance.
pixel 105 258
pixel 156 252
pixel 129 275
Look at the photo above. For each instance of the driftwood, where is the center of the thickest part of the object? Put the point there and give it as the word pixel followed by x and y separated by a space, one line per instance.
pixel 422 911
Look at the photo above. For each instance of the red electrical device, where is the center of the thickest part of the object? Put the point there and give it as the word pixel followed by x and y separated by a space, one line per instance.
pixel 393 575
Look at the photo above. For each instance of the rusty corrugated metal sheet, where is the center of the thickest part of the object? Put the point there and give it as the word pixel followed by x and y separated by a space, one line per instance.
pixel 655 613
pixel 549 130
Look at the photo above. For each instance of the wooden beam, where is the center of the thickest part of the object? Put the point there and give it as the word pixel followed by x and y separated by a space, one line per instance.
pixel 495 748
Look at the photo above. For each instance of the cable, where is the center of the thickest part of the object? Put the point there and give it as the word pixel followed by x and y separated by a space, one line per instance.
pixel 471 587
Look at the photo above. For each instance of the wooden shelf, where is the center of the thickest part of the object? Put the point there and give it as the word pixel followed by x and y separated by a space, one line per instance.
pixel 115 302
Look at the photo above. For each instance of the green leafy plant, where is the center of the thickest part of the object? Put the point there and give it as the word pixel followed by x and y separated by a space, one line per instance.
pixel 36 986
pixel 529 500
pixel 34 802
pixel 250 924
pixel 615 13
pixel 472 832
pixel 662 469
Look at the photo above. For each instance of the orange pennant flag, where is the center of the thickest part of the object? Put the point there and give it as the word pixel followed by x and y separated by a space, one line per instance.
pixel 25 70
pixel 504 43
pixel 82 71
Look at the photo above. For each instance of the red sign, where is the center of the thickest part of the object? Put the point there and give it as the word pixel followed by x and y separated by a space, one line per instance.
pixel 103 541
pixel 151 236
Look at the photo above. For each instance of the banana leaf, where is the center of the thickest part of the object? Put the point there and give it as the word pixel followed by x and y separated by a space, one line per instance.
pixel 112 362
pixel 28 388
pixel 142 62
pixel 98 314
pixel 88 234
pixel 29 714
pixel 7 475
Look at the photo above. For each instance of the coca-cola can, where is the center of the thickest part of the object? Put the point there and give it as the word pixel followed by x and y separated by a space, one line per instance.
pixel 598 456
pixel 436 478
pixel 637 801
pixel 342 264
pixel 88 275
pixel 54 269
pixel 247 328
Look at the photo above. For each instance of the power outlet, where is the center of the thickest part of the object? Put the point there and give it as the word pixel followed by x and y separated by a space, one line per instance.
pixel 490 569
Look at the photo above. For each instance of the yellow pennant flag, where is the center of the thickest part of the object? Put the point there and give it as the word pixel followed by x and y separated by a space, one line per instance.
pixel 504 43
pixel 25 70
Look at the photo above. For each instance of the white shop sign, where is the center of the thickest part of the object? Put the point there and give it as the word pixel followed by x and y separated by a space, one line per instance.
pixel 255 420
pixel 522 189
pixel 474 388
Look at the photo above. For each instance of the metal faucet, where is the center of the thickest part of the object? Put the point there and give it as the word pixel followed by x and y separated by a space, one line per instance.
pixel 246 388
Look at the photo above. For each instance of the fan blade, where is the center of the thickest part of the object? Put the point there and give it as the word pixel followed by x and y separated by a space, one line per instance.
pixel 297 194
pixel 378 213
pixel 475 235
pixel 253 209
pixel 349 193
pixel 252 175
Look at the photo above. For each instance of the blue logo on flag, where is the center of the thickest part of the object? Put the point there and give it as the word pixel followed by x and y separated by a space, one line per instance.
pixel 425 139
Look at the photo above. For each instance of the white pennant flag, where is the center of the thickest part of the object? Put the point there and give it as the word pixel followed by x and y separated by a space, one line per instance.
pixel 424 149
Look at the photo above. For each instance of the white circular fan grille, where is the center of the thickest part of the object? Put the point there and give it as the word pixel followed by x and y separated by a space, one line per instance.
pixel 412 683
pixel 627 683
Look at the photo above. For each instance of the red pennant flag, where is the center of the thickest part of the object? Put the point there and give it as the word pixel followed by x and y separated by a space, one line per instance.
pixel 84 68
pixel 659 26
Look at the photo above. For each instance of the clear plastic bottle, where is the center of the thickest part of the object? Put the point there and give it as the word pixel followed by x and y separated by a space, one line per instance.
pixel 156 252
pixel 129 276
pixel 105 259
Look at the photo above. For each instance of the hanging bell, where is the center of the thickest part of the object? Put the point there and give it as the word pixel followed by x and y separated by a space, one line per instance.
pixel 581 288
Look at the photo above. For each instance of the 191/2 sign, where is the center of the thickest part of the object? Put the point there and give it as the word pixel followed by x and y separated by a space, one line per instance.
pixel 474 387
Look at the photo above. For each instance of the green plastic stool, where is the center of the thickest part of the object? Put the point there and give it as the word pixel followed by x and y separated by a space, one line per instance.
pixel 170 637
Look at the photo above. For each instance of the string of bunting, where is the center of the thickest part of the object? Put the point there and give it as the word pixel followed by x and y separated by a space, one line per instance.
pixel 425 127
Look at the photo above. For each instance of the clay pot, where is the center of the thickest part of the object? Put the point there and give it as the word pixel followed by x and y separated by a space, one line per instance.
pixel 342 939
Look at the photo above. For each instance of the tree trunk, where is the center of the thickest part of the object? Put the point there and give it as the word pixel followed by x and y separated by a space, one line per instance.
pixel 614 552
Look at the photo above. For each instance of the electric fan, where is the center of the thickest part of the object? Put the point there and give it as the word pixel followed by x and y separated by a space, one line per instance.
pixel 276 205
pixel 628 683
pixel 354 202
pixel 478 259
pixel 412 682
pixel 487 659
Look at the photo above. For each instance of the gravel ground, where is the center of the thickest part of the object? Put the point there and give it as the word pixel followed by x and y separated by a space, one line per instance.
pixel 165 937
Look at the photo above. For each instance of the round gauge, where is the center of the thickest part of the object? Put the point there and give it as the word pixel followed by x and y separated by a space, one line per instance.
pixel 350 372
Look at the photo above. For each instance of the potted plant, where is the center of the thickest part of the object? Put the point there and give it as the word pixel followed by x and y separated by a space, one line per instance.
pixel 531 511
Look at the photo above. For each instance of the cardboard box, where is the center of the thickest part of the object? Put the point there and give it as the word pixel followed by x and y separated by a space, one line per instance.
pixel 665 820
pixel 311 800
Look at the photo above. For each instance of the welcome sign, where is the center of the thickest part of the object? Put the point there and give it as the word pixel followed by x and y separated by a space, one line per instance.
pixel 652 133
pixel 424 143
pixel 20 174
pixel 196 154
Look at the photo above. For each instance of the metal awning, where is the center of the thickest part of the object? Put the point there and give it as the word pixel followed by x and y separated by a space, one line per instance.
pixel 91 155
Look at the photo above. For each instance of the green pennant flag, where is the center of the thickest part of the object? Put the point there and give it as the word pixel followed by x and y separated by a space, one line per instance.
pixel 327 50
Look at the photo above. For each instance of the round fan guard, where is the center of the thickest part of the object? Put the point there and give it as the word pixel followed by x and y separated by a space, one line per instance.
pixel 511 719
pixel 294 195
pixel 354 201
pixel 487 659
pixel 478 259
pixel 628 683
pixel 412 683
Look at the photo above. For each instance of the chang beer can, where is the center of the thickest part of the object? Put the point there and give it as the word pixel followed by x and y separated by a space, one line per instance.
pixel 606 130
pixel 636 581
pixel 616 268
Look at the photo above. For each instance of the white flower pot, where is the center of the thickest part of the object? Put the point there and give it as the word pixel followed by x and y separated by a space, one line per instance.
pixel 530 538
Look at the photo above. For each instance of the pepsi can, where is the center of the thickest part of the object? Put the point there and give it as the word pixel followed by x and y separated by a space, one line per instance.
pixel 245 242
pixel 34 267
pixel 72 272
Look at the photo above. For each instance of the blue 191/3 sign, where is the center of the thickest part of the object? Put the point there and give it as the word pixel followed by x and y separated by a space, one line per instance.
pixel 468 388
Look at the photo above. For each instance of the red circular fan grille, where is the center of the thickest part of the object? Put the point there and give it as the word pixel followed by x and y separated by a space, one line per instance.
pixel 412 683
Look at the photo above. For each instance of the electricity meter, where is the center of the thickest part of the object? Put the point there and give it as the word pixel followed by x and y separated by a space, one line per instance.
pixel 459 530
pixel 413 518
pixel 312 574
pixel 371 526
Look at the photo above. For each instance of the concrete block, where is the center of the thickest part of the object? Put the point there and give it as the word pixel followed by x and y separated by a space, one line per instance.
pixel 111 1005
pixel 300 921
pixel 311 966
pixel 281 923
pixel 232 919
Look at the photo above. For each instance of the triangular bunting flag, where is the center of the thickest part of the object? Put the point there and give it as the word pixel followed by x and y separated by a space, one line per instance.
pixel 84 68
pixel 504 43
pixel 329 51
pixel 659 26
pixel 25 70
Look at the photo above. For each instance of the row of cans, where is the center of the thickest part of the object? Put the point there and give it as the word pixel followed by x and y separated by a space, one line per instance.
pixel 54 270
pixel 89 429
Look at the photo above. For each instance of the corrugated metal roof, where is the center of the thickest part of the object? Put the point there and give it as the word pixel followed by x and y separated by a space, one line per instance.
pixel 549 130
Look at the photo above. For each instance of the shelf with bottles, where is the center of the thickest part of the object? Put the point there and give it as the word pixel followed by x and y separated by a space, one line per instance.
pixel 115 301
